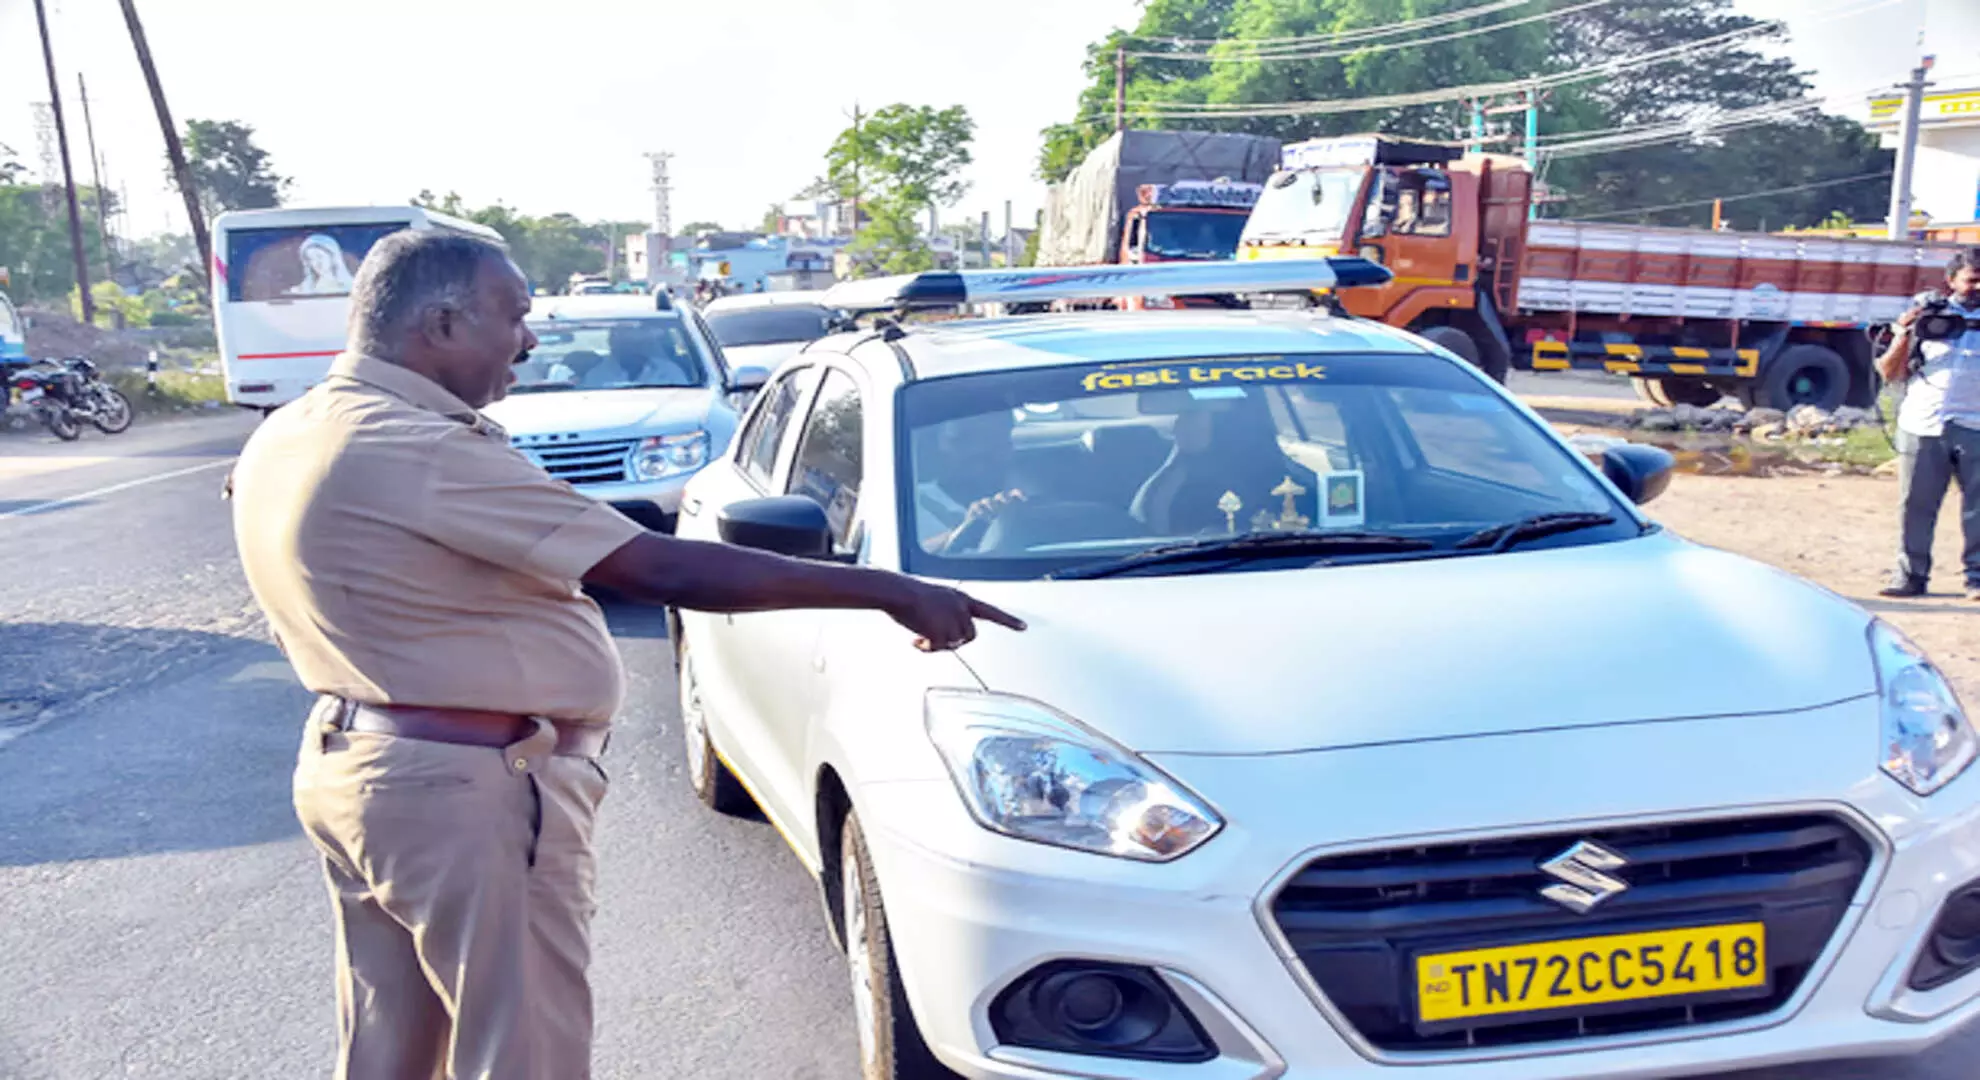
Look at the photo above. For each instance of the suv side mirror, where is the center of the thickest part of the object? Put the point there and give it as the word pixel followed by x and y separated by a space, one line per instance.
pixel 784 524
pixel 1642 472
pixel 748 378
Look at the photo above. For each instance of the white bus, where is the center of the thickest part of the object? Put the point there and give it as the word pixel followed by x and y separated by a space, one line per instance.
pixel 282 284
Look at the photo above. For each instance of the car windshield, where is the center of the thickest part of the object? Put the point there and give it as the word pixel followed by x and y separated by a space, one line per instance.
pixel 771 325
pixel 611 354
pixel 1094 463
pixel 1194 234
pixel 1308 204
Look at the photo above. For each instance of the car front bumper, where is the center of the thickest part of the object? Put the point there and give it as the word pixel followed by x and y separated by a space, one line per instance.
pixel 655 504
pixel 971 912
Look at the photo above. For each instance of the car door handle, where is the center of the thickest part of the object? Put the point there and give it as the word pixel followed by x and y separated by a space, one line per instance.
pixel 690 507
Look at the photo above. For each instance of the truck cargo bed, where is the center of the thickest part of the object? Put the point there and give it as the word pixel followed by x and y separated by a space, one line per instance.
pixel 1639 270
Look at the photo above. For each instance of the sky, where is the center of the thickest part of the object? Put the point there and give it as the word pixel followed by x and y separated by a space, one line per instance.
pixel 549 107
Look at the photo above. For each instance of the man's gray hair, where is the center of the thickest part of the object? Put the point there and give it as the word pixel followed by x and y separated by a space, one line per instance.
pixel 406 274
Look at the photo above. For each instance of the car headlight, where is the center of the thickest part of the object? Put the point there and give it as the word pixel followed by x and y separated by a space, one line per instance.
pixel 1926 738
pixel 1028 771
pixel 670 455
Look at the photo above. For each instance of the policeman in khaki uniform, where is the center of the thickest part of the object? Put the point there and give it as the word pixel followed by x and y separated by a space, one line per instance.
pixel 423 578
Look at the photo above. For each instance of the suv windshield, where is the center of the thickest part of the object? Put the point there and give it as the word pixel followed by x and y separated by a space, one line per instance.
pixel 611 354
pixel 771 325
pixel 1308 204
pixel 1193 234
pixel 1099 462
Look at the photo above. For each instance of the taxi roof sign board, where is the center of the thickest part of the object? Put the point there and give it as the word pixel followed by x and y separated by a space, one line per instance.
pixel 1046 284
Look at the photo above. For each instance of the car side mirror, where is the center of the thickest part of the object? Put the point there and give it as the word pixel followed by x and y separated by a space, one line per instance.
pixel 784 524
pixel 1642 472
pixel 748 378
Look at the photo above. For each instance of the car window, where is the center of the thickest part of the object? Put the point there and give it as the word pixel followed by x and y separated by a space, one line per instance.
pixel 827 467
pixel 770 325
pixel 758 450
pixel 1094 462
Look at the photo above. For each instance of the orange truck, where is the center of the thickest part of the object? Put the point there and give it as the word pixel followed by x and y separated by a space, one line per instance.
pixel 1691 315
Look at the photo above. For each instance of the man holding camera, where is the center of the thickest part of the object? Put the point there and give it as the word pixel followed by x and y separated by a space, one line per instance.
pixel 1935 356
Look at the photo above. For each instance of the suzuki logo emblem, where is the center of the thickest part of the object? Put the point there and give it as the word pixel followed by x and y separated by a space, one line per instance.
pixel 1584 876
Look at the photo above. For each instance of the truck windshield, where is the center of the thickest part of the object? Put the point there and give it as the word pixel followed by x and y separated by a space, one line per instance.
pixel 1309 204
pixel 1194 234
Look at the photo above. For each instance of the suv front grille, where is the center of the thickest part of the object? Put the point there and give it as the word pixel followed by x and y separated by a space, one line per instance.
pixel 586 462
pixel 1356 921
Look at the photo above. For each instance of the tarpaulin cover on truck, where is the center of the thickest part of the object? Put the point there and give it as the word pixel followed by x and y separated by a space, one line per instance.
pixel 1083 213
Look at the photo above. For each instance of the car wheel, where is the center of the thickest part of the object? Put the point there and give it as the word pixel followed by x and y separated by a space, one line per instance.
pixel 713 783
pixel 890 1045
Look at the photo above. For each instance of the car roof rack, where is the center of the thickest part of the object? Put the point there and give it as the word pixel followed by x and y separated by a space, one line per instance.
pixel 1044 284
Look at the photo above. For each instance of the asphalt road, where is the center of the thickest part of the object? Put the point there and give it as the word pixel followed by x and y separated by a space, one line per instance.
pixel 161 915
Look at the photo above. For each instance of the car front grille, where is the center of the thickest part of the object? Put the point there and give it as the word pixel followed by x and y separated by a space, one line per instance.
pixel 585 462
pixel 1356 921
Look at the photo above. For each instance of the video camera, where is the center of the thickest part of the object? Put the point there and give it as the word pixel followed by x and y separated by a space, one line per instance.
pixel 1936 321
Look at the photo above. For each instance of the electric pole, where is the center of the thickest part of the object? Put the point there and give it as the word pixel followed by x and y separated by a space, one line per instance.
pixel 1120 88
pixel 1477 145
pixel 859 151
pixel 173 150
pixel 68 174
pixel 1914 94
pixel 96 177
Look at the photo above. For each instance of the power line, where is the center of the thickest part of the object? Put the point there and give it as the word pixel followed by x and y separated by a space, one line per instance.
pixel 1241 53
pixel 1357 34
pixel 1838 182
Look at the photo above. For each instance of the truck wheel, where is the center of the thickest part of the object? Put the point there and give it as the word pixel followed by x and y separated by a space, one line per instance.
pixel 1804 375
pixel 1651 391
pixel 1680 391
pixel 1459 342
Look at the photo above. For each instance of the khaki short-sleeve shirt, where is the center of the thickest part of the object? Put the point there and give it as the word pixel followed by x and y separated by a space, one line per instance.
pixel 406 554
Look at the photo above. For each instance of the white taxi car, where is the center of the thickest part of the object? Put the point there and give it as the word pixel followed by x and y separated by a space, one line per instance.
pixel 1363 728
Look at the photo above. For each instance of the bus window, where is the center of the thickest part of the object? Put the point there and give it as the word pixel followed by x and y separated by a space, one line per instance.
pixel 299 261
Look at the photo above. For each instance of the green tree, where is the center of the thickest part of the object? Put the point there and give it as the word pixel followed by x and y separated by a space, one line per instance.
pixel 696 228
pixel 1810 149
pixel 229 171
pixel 773 219
pixel 34 235
pixel 897 163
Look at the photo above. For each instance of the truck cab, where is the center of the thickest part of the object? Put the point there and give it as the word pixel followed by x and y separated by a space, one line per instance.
pixel 1186 221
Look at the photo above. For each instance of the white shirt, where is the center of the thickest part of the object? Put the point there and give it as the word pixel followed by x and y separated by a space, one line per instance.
pixel 935 512
pixel 1947 387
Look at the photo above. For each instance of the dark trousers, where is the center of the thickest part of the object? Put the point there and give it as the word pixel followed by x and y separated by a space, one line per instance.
pixel 1927 464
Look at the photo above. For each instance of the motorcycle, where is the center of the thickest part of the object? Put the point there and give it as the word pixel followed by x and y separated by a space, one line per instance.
pixel 62 393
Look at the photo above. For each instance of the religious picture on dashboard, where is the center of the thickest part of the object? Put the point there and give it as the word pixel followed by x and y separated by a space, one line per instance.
pixel 1340 505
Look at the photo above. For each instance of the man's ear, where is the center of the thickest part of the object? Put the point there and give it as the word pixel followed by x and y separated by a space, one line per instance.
pixel 436 324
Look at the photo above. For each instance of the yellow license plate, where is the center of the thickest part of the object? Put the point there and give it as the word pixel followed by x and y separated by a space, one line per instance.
pixel 1548 975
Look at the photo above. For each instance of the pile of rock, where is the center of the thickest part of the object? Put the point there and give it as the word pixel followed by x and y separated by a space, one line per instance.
pixel 1803 421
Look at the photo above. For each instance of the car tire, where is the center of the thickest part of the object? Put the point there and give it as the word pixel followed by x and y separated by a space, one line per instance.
pixel 1459 342
pixel 713 783
pixel 890 1043
pixel 1804 375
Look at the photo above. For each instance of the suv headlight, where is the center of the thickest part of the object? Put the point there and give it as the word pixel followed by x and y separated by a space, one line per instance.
pixel 1028 771
pixel 670 455
pixel 1926 738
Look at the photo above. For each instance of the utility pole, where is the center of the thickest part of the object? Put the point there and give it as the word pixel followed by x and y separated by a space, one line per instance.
pixel 1120 88
pixel 173 149
pixel 1718 214
pixel 68 174
pixel 859 151
pixel 1010 241
pixel 1532 144
pixel 983 238
pixel 96 177
pixel 1914 94
pixel 1477 144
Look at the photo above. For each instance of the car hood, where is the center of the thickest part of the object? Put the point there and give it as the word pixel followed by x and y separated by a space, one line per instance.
pixel 1271 661
pixel 766 357
pixel 561 412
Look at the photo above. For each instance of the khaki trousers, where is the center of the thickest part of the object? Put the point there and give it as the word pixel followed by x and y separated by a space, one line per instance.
pixel 463 883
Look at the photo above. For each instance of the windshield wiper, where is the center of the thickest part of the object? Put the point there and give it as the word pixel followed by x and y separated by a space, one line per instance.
pixel 541 387
pixel 1500 537
pixel 1203 555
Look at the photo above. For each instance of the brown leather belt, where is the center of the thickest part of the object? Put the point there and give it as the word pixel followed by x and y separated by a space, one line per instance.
pixel 468 727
